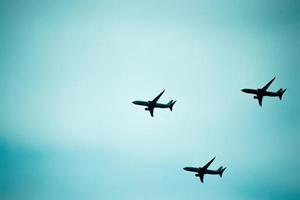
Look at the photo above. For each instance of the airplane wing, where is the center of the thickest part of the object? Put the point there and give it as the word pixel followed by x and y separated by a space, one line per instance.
pixel 260 99
pixel 207 165
pixel 201 176
pixel 266 86
pixel 156 98
pixel 151 110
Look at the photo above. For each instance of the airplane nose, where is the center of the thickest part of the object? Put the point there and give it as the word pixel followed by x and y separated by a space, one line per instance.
pixel 185 168
pixel 243 90
pixel 134 102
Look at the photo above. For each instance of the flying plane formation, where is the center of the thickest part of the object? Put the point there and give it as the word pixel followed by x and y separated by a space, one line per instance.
pixel 201 171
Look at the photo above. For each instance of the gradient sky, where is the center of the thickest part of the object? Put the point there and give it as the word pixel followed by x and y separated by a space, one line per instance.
pixel 69 71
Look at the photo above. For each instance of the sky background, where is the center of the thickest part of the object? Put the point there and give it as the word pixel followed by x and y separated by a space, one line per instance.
pixel 69 71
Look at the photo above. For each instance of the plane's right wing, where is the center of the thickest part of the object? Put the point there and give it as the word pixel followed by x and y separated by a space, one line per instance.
pixel 151 110
pixel 201 176
pixel 260 99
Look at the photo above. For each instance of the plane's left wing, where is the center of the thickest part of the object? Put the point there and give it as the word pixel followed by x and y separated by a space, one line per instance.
pixel 268 84
pixel 207 165
pixel 156 98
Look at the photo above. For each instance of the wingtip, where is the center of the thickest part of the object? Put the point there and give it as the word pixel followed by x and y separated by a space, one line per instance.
pixel 213 159
pixel 162 92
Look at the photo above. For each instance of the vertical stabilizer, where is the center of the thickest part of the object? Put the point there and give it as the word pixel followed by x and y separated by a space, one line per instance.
pixel 221 170
pixel 171 104
pixel 280 93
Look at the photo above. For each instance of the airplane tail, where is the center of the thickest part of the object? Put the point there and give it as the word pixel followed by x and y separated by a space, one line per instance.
pixel 221 170
pixel 280 93
pixel 171 104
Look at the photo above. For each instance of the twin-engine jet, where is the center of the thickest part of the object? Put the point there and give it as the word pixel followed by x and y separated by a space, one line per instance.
pixel 153 104
pixel 261 92
pixel 201 171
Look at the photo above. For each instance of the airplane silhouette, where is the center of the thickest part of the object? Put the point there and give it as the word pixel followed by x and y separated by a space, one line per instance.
pixel 153 104
pixel 201 171
pixel 261 92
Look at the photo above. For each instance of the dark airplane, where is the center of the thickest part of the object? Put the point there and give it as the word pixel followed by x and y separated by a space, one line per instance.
pixel 201 171
pixel 153 104
pixel 261 92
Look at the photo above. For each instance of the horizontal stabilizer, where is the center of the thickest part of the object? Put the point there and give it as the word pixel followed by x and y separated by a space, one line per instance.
pixel 280 93
pixel 171 104
pixel 221 170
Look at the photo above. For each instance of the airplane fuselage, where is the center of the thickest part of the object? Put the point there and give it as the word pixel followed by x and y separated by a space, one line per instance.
pixel 148 104
pixel 200 170
pixel 260 92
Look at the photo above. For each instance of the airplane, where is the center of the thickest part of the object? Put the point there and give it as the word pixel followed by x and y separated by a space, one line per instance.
pixel 201 171
pixel 153 104
pixel 261 92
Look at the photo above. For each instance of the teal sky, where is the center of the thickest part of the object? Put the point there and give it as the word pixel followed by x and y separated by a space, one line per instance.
pixel 69 71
